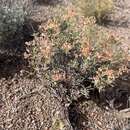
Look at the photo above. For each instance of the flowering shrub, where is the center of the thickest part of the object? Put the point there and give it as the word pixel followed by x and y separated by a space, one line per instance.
pixel 74 48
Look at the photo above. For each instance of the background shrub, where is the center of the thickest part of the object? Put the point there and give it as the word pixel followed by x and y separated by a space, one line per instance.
pixel 97 8
pixel 12 18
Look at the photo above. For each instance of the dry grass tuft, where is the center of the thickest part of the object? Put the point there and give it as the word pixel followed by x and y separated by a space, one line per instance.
pixel 97 8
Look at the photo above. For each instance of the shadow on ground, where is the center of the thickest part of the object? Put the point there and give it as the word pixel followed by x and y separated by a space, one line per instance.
pixel 115 23
pixel 12 59
pixel 117 97
pixel 48 2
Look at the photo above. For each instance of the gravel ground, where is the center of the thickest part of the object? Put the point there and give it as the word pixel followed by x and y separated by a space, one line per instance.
pixel 27 104
pixel 120 21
